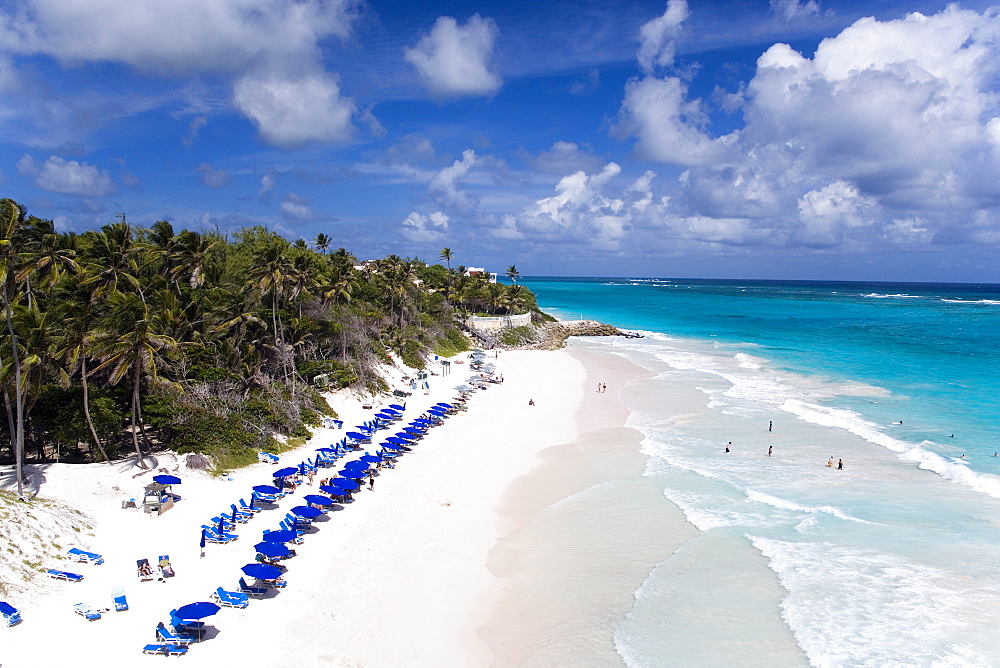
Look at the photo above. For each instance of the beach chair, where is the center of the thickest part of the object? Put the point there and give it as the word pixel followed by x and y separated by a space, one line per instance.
pixel 243 507
pixel 143 570
pixel 64 575
pixel 166 635
pixel 212 537
pixel 76 554
pixel 230 599
pixel 227 523
pixel 165 649
pixel 255 592
pixel 87 612
pixel 10 614
pixel 266 498
pixel 118 596
pixel 166 570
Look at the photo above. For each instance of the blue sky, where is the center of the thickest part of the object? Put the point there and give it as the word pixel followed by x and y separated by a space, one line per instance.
pixel 783 139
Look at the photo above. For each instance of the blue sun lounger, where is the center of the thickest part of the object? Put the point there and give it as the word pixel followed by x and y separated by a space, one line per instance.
pixel 256 592
pixel 118 596
pixel 64 575
pixel 10 614
pixel 76 554
pixel 86 611
pixel 168 636
pixel 165 649
pixel 230 599
pixel 213 536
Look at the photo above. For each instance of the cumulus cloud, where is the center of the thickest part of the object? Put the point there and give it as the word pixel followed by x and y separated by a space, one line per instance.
pixel 563 157
pixel 418 227
pixel 267 183
pixel 657 38
pixel 213 178
pixel 67 177
pixel 270 47
pixel 669 126
pixel 888 134
pixel 291 112
pixel 445 186
pixel 453 60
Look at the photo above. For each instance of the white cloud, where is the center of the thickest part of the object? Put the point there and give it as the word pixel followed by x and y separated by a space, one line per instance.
pixel 418 227
pixel 667 124
pixel 563 157
pixel 445 186
pixel 291 112
pixel 213 178
pixel 888 134
pixel 454 59
pixel 267 183
pixel 658 37
pixel 793 9
pixel 67 177
pixel 296 207
pixel 197 123
pixel 176 36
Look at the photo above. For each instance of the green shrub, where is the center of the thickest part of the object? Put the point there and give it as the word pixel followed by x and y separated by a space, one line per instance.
pixel 516 336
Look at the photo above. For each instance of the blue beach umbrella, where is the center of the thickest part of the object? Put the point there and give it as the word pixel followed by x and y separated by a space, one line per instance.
pixel 197 610
pixel 233 507
pixel 266 489
pixel 302 468
pixel 356 436
pixel 331 489
pixel 317 499
pixel 280 536
pixel 306 511
pixel 351 473
pixel 397 407
pixel 167 479
pixel 204 539
pixel 325 450
pixel 221 529
pixel 269 549
pixel 262 571
pixel 287 471
pixel 345 484
pixel 371 459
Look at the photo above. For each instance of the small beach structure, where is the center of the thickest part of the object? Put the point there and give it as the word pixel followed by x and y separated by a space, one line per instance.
pixel 156 498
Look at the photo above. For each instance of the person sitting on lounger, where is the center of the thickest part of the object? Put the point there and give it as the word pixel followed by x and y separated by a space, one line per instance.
pixel 145 571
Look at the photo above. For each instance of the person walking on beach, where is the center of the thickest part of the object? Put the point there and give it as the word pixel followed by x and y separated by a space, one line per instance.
pixel 840 464
pixel 769 448
pixel 728 445
pixel 371 481
pixel 769 425
pixel 604 387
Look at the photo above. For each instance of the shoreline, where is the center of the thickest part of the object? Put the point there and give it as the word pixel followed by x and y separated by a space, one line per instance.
pixel 566 575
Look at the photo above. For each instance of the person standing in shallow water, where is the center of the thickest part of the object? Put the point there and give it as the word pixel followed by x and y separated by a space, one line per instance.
pixel 840 464
pixel 769 449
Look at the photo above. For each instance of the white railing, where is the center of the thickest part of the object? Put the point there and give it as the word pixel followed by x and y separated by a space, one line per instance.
pixel 499 322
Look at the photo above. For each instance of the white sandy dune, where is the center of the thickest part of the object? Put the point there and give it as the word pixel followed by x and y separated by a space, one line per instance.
pixel 398 577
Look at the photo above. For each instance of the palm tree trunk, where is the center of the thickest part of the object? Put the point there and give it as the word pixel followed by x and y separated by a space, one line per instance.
pixel 18 397
pixel 86 412
pixel 135 436
pixel 10 421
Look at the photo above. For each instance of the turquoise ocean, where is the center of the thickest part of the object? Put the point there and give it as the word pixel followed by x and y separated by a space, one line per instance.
pixel 893 560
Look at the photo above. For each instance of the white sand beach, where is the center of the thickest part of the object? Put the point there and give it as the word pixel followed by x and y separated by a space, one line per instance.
pixel 440 564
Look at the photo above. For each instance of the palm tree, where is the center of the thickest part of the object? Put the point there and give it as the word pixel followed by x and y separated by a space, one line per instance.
pixel 77 312
pixel 128 345
pixel 272 276
pixel 446 256
pixel 11 225
pixel 114 258
pixel 513 274
pixel 322 242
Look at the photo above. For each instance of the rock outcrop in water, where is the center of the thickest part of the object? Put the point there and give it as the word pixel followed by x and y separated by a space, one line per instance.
pixel 553 335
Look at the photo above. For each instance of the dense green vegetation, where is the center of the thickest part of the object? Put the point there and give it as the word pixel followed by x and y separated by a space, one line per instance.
pixel 131 338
